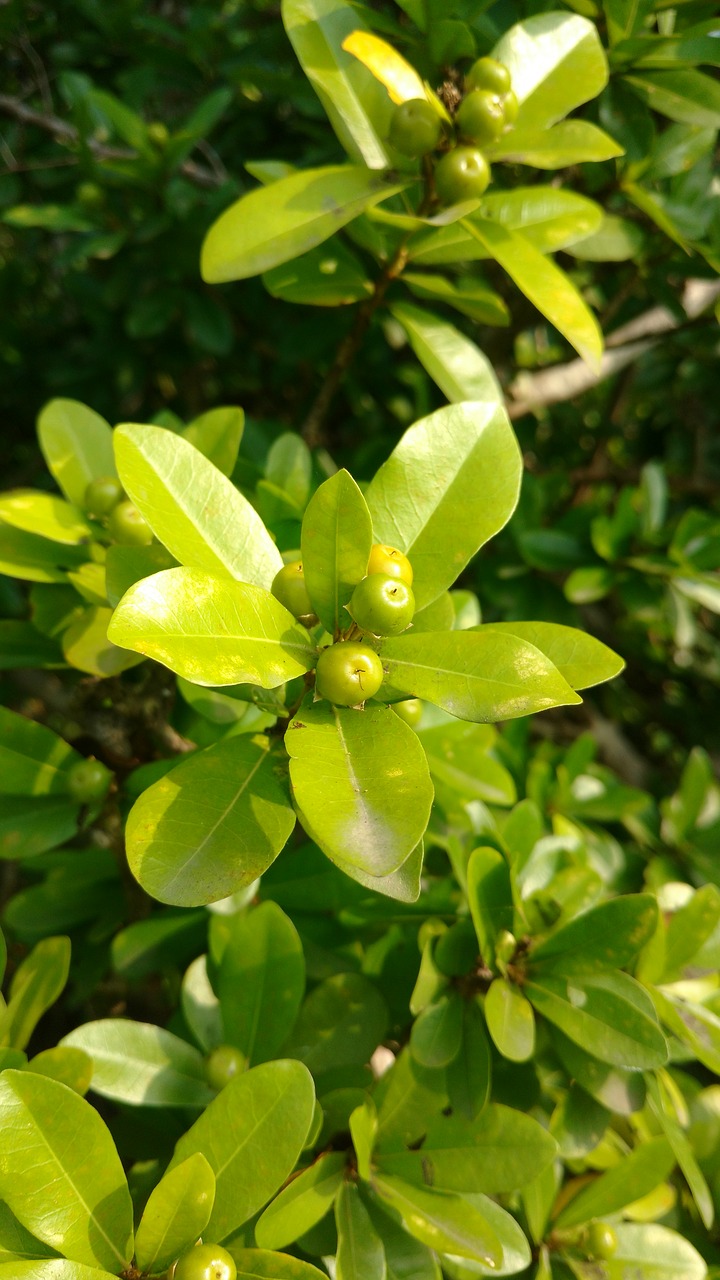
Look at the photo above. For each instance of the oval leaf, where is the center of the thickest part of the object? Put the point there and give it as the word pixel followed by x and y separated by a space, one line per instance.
pixel 510 1021
pixel 336 543
pixel 177 1212
pixel 77 446
pixel 302 1203
pixel 556 62
pixel 441 1220
pixel 44 514
pixel 453 361
pixel 579 657
pixel 141 1064
pixel 261 981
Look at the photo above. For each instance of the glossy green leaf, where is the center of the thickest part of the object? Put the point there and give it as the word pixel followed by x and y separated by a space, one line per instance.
pixel 683 1153
pixel 52 1269
pixel 200 1006
pixel 547 287
pixel 126 565
pixel 510 1020
pixel 16 1243
pixel 469 1074
pixel 46 1138
pixel 360 1253
pixel 441 1220
pixel 195 511
pixel 22 645
pixel 77 446
pixel 261 981
pixel 608 936
pixel 141 1064
pixel 437 469
pixel 341 1023
pixel 36 984
pixel 636 1176
pixel 436 1033
pixel 458 755
pixel 211 825
pixel 403 885
pixel 34 761
pixel 684 94
pixel 490 899
pixel 620 1091
pixel 357 105
pixel 87 647
pixel 500 1150
pixel 45 515
pixel 616 240
pixel 551 218
pixel 212 631
pixel 35 559
pixel 275 224
pixel 475 675
pixel 69 1066
pixel 217 435
pixel 361 784
pixel 607 1014
pixel 260 1264
pixel 468 295
pixel 251 1135
pixel 556 62
pixel 693 1024
pixel 578 656
pixel 570 142
pixel 177 1212
pixel 336 542
pixel 453 361
pixel 302 1203
pixel 328 276
pixel 405 1257
pixel 647 1251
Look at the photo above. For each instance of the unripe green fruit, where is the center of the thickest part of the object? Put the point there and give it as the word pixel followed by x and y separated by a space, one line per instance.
pixel 158 133
pixel 382 605
pixel 480 116
pixel 602 1240
pixel 206 1262
pixel 88 780
pixel 289 588
pixel 462 174
pixel 410 710
pixel 415 128
pixel 385 559
pixel 511 107
pixel 128 527
pixel 488 73
pixel 102 495
pixel 89 195
pixel 348 673
pixel 223 1064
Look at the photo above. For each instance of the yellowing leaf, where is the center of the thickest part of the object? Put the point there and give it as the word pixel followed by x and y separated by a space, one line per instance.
pixel 386 64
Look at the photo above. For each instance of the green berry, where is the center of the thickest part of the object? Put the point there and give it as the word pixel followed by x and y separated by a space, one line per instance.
pixel 382 605
pixel 511 107
pixel 480 116
pixel 410 710
pixel 488 73
pixel 128 527
pixel 602 1240
pixel 90 195
pixel 462 174
pixel 223 1063
pixel 102 495
pixel 88 780
pixel 415 128
pixel 158 133
pixel 385 559
pixel 289 588
pixel 206 1262
pixel 348 673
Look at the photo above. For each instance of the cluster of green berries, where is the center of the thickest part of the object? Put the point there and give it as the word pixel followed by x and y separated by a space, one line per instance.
pixel 105 500
pixel 487 109
pixel 348 672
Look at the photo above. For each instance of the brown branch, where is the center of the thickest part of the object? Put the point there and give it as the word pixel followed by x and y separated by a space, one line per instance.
pixel 70 136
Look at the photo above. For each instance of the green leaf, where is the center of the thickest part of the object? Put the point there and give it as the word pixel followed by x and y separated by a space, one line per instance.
pixel 510 1020
pixel 649 1252
pixel 549 217
pixel 406 1258
pixel 45 515
pixel 217 434
pixel 568 143
pixel 616 240
pixel 126 565
pixel 200 1006
pixel 579 657
pixel 547 287
pixel 617 1090
pixel 490 898
pixel 363 1131
pixel 499 1151
pixel 212 631
pixel 556 62
pixel 469 1074
pixel 686 94
pixel 34 559
pixel 361 784
pixel 625 16
pixel 458 755
pixel 21 645
pixel 636 1176
pixel 437 1032
pixel 211 825
pixel 328 276
pixel 277 223
pixel 261 981
pixel 454 362
pixel 608 936
pixel 360 1253
pixel 15 1242
pixel 684 1154
pixel 36 984
pixel 693 1024
pixel 87 647
pixel 252 1135
pixel 177 1212
pixel 441 1220
pixel 302 1203
pixel 259 1264
pixel 471 296
pixel 141 1064
pixel 341 1023
pixel 34 761
pixel 52 1269
pixel 475 675
pixel 77 446
pixel 423 500
pixel 336 542
pixel 607 1014
pixel 403 885
pixel 72 1067
pixel 46 1137
pixel 357 105
pixel 195 511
